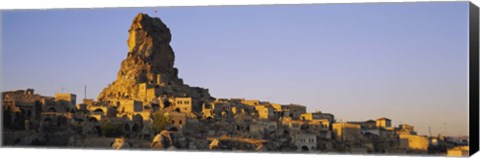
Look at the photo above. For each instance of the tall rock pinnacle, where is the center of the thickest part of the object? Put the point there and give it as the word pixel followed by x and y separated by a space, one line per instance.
pixel 149 53
pixel 149 61
pixel 149 42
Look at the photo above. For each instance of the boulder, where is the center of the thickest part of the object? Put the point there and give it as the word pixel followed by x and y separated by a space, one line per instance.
pixel 163 140
pixel 119 143
pixel 215 144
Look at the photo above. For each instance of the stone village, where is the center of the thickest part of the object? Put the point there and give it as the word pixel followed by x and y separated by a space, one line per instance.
pixel 149 107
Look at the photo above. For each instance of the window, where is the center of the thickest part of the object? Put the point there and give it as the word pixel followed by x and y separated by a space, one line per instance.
pixel 180 122
pixel 137 108
pixel 173 121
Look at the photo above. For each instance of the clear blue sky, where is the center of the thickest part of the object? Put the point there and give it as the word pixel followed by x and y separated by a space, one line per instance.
pixel 404 61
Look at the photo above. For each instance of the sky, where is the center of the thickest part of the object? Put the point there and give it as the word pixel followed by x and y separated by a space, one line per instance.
pixel 404 61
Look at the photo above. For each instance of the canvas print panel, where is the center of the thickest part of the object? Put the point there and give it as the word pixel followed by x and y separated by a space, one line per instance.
pixel 378 78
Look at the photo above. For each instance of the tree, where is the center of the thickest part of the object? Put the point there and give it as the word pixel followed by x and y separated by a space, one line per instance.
pixel 112 129
pixel 160 121
pixel 7 117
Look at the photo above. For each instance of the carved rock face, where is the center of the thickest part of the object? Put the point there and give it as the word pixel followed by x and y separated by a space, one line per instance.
pixel 150 60
pixel 149 52
pixel 148 44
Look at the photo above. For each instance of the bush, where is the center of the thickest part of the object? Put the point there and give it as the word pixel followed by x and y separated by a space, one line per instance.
pixel 160 122
pixel 112 129
pixel 7 117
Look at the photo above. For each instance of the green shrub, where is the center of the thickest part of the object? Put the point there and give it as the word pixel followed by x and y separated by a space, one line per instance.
pixel 160 122
pixel 112 129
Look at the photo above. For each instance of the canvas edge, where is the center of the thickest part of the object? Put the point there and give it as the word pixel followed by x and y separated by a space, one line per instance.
pixel 473 78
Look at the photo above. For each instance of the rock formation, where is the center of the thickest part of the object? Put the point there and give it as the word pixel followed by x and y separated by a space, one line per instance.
pixel 119 143
pixel 149 62
pixel 215 144
pixel 163 140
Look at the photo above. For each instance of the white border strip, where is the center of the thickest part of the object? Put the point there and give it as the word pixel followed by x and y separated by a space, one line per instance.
pixel 1 74
pixel 56 4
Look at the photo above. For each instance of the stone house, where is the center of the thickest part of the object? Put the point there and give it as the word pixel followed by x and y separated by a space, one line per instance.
pixel 53 119
pixel 321 123
pixel 318 116
pixel 265 112
pixel 276 107
pixel 25 105
pixel 50 104
pixel 251 102
pixel 129 106
pixel 294 127
pixel 184 104
pixel 294 111
pixel 178 119
pixel 306 142
pixel 68 100
pixel 459 151
pixel 277 110
pixel 320 128
pixel 102 110
pixel 312 116
pixel 369 124
pixel 270 126
pixel 384 123
pixel 146 92
pixel 82 107
pixel 414 143
pixel 216 109
pixel 380 132
pixel 347 132
pixel 405 129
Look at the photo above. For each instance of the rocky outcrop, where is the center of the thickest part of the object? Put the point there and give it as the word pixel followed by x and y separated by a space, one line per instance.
pixel 119 143
pixel 163 140
pixel 150 58
pixel 150 61
pixel 215 144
